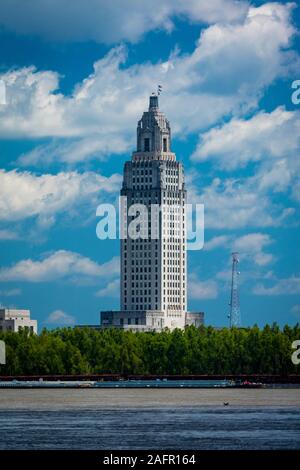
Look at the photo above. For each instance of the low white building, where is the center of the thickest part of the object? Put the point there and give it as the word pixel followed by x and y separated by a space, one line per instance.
pixel 14 320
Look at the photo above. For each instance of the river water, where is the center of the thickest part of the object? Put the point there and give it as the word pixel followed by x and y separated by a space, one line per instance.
pixel 150 419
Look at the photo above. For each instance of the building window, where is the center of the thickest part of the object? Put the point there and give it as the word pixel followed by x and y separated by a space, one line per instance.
pixel 147 144
pixel 165 144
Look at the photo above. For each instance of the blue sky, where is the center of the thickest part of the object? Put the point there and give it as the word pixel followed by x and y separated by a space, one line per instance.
pixel 78 79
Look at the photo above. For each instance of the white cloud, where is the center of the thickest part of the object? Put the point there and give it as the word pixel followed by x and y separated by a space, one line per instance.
pixel 288 286
pixel 106 105
pixel 10 292
pixel 236 203
pixel 295 310
pixel 252 255
pixel 250 246
pixel 59 317
pixel 76 150
pixel 111 290
pixel 239 141
pixel 247 275
pixel 226 73
pixel 109 22
pixel 262 259
pixel 61 264
pixel 216 242
pixel 272 139
pixel 202 289
pixel 24 194
pixel 8 234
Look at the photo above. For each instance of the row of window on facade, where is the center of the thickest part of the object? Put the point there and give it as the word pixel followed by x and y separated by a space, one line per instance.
pixel 175 281
pixel 147 277
pixel 139 259
pixel 139 285
pixel 140 288
pixel 20 328
pixel 146 253
pixel 144 269
pixel 169 179
pixel 174 271
pixel 152 234
pixel 139 163
pixel 140 244
pixel 168 195
pixel 171 297
pixel 129 321
pixel 140 171
pixel 142 307
pixel 136 321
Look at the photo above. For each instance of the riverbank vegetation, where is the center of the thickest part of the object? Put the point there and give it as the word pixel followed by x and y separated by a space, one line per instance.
pixel 203 350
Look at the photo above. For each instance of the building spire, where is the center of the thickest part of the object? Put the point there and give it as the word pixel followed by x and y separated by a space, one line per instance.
pixel 153 131
pixel 153 102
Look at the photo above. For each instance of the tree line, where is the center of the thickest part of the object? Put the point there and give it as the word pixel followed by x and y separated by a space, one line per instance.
pixel 204 350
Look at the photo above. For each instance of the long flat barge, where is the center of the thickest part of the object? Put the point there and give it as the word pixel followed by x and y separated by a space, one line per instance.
pixel 41 384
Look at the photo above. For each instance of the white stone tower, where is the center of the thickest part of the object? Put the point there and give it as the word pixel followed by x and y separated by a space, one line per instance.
pixel 153 265
pixel 153 271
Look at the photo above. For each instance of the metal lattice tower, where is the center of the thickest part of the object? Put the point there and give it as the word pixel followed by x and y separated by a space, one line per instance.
pixel 235 313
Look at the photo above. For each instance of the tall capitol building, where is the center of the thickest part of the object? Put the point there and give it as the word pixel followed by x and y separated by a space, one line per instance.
pixel 153 245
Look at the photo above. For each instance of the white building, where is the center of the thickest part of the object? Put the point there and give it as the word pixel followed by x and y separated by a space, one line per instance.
pixel 15 320
pixel 154 264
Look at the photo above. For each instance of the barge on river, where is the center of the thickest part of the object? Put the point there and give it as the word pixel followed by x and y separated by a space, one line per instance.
pixel 158 383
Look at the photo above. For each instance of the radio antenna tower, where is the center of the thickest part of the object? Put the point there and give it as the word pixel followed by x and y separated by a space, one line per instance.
pixel 235 312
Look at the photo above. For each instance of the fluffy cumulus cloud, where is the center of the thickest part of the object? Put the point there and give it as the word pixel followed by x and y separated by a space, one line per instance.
pixel 226 73
pixel 10 292
pixel 237 203
pixel 8 235
pixel 59 317
pixel 295 310
pixel 76 150
pixel 109 22
pixel 61 264
pixel 199 289
pixel 270 139
pixel 254 259
pixel 265 135
pixel 24 194
pixel 218 241
pixel 112 289
pixel 249 274
pixel 288 286
pixel 250 246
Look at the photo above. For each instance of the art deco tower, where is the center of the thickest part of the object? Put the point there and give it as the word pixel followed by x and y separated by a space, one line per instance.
pixel 153 270
pixel 153 262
